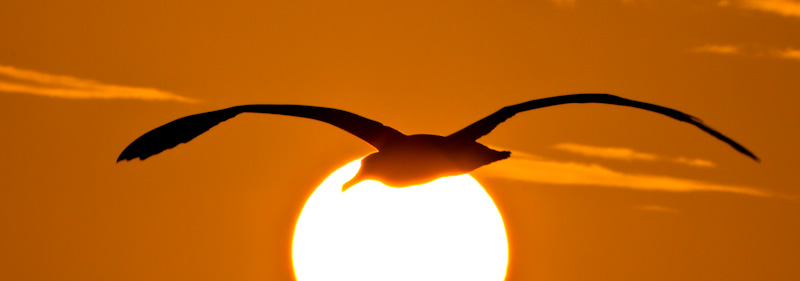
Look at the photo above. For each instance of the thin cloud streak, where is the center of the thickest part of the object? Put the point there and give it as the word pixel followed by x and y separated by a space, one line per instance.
pixel 570 173
pixel 791 54
pixel 787 53
pixel 694 162
pixel 786 8
pixel 61 86
pixel 606 152
pixel 656 208
pixel 717 49
pixel 621 153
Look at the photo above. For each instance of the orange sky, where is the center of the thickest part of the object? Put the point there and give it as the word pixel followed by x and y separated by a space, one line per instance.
pixel 592 192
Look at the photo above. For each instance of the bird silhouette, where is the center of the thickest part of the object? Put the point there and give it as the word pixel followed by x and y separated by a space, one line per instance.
pixel 402 160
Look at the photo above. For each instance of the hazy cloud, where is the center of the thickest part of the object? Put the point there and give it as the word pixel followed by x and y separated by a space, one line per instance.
pixel 627 154
pixel 606 152
pixel 791 54
pixel 694 162
pixel 789 8
pixel 717 49
pixel 786 53
pixel 538 170
pixel 60 86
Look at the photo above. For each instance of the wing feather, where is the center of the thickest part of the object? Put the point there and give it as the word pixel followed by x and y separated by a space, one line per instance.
pixel 487 124
pixel 187 128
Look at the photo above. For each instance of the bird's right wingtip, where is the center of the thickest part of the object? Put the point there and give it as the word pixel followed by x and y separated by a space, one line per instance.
pixel 747 152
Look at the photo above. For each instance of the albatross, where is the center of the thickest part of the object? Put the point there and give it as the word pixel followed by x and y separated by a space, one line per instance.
pixel 401 160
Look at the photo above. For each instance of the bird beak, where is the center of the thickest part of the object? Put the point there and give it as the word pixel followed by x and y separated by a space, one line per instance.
pixel 355 180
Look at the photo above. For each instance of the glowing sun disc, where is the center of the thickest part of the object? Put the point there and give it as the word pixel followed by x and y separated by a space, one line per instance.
pixel 449 229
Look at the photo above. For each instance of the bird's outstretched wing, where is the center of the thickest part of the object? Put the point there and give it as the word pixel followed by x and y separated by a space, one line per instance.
pixel 487 124
pixel 187 128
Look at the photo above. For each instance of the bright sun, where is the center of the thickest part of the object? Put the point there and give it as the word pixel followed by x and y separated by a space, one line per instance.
pixel 448 229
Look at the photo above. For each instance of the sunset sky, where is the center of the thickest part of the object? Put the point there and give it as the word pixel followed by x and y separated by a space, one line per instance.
pixel 591 192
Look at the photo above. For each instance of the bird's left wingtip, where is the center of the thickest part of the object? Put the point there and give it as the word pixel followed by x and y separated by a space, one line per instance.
pixel 747 152
pixel 126 157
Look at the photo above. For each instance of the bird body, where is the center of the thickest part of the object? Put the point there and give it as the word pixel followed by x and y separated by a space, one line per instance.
pixel 401 160
pixel 418 159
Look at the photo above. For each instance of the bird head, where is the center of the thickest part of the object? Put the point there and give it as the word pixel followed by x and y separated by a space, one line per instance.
pixel 367 171
pixel 400 169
